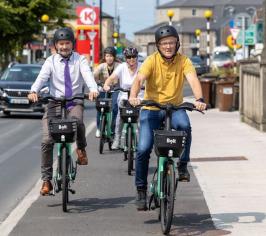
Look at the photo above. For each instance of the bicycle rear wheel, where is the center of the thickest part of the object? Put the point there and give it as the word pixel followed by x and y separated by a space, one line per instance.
pixel 167 202
pixel 102 135
pixel 129 151
pixel 65 179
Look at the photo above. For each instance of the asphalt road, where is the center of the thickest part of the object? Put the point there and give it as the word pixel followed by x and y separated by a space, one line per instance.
pixel 104 199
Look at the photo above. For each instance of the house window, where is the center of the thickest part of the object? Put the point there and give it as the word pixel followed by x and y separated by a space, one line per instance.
pixel 193 12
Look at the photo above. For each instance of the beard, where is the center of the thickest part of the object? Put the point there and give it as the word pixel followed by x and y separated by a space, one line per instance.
pixel 64 52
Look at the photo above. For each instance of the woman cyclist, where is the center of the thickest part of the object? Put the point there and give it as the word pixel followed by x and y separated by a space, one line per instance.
pixel 125 73
pixel 102 72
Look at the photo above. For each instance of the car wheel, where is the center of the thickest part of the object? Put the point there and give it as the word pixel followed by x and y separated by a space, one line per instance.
pixel 6 113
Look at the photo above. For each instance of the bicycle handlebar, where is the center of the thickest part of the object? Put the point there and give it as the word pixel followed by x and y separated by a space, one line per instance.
pixel 47 98
pixel 186 105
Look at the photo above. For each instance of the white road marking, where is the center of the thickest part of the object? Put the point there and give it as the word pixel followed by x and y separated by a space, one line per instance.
pixel 11 152
pixel 14 217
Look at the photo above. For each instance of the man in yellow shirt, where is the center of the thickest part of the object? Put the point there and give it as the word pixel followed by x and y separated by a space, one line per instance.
pixel 164 73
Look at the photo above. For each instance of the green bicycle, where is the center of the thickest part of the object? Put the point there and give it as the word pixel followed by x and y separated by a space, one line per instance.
pixel 129 116
pixel 104 106
pixel 169 146
pixel 63 131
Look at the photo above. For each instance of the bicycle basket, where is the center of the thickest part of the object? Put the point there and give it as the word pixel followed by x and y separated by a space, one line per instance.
pixel 129 114
pixel 63 130
pixel 104 103
pixel 165 140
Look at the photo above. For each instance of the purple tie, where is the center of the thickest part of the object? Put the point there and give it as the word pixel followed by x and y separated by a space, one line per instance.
pixel 68 84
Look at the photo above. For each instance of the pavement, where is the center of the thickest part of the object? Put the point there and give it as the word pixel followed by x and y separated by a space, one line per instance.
pixel 228 158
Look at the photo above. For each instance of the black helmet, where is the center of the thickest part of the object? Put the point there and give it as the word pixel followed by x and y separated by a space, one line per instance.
pixel 133 52
pixel 110 50
pixel 165 31
pixel 64 34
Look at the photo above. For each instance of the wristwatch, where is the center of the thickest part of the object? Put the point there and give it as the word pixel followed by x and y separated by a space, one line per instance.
pixel 200 100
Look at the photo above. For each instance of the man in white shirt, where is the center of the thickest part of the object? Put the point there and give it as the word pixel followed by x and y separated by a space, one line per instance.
pixel 67 72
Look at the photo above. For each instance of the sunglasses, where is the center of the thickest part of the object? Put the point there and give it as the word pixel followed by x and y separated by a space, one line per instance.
pixel 129 57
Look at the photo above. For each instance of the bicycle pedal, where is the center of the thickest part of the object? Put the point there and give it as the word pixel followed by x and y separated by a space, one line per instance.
pixel 72 191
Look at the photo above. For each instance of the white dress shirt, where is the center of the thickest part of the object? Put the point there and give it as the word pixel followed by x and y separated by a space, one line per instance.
pixel 53 72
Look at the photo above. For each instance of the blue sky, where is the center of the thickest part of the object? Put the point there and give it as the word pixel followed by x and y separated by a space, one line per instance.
pixel 135 15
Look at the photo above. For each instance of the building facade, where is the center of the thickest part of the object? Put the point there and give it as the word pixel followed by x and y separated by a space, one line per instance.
pixel 189 16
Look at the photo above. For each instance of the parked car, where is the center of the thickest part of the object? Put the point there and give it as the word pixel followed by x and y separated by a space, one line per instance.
pixel 199 64
pixel 221 57
pixel 15 84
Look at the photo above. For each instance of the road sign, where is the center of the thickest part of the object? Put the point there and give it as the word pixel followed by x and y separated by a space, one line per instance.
pixel 234 32
pixel 92 35
pixel 250 36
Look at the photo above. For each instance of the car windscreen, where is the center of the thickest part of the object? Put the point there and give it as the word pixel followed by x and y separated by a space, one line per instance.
pixel 26 74
pixel 196 60
pixel 222 56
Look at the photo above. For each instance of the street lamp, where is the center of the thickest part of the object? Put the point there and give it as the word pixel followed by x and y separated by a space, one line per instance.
pixel 44 19
pixel 197 33
pixel 115 36
pixel 208 16
pixel 170 14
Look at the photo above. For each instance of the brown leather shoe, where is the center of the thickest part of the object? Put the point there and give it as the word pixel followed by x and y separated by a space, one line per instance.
pixel 47 187
pixel 82 156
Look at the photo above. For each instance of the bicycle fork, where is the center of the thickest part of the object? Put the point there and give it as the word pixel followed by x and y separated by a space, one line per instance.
pixel 156 186
pixel 58 173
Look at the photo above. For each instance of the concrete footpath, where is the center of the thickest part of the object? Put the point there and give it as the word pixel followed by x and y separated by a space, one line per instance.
pixel 229 160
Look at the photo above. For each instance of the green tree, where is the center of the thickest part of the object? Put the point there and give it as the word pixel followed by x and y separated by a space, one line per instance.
pixel 20 22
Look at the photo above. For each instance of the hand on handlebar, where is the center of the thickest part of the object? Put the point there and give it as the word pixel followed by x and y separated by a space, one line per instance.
pixel 33 97
pixel 106 87
pixel 134 101
pixel 92 95
pixel 201 106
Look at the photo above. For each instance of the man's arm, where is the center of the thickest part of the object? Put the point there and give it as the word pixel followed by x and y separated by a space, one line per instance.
pixel 136 86
pixel 87 75
pixel 196 89
pixel 42 78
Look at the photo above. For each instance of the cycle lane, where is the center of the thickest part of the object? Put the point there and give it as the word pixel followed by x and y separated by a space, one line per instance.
pixel 104 204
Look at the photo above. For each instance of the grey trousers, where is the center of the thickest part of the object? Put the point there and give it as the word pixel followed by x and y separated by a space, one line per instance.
pixel 48 144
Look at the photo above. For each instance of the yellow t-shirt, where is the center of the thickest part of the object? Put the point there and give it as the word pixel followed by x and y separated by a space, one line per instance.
pixel 164 81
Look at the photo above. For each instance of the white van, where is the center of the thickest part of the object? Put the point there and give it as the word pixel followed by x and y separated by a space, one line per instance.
pixel 221 56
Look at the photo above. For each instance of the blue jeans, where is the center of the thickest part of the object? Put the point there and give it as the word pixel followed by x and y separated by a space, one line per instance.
pixel 114 109
pixel 149 121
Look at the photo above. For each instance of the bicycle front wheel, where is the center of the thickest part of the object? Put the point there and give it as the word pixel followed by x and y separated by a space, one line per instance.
pixel 102 135
pixel 65 179
pixel 129 151
pixel 167 202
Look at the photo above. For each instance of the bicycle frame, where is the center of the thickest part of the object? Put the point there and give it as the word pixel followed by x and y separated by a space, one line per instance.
pixel 108 129
pixel 134 127
pixel 72 167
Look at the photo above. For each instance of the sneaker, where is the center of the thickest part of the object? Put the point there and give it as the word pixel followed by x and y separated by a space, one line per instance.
pixel 184 175
pixel 47 187
pixel 98 133
pixel 82 156
pixel 141 200
pixel 115 144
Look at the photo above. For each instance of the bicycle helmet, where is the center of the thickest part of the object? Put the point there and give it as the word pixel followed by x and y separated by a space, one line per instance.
pixel 64 34
pixel 130 52
pixel 166 31
pixel 110 50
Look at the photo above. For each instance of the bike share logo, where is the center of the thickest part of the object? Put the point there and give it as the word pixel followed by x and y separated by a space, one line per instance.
pixel 129 112
pixel 171 141
pixel 62 127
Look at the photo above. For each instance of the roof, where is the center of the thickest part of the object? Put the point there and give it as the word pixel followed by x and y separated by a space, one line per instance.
pixel 220 19
pixel 207 3
pixel 187 25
